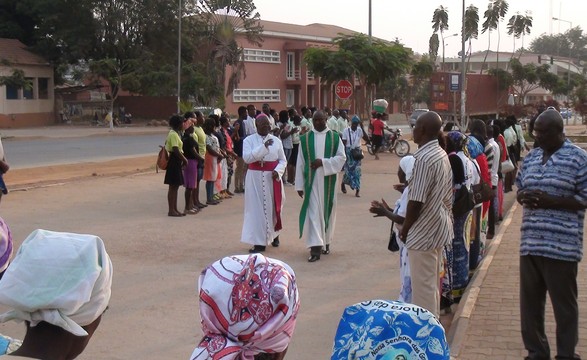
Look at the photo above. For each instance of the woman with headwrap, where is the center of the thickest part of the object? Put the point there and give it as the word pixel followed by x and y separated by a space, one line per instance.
pixel 404 173
pixel 351 137
pixel 248 305
pixel 7 344
pixel 475 150
pixel 456 276
pixel 59 284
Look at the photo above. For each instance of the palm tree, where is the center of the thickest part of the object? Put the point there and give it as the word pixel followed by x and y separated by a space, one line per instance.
pixel 433 47
pixel 440 23
pixel 491 22
pixel 525 29
pixel 501 8
pixel 471 27
pixel 518 26
pixel 223 20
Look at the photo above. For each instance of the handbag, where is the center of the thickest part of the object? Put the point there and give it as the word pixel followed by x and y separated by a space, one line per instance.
pixel 4 167
pixel 393 246
pixel 162 158
pixel 482 191
pixel 507 166
pixel 357 154
pixel 464 201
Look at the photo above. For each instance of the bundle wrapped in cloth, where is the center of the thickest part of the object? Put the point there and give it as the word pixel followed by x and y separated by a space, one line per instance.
pixel 380 105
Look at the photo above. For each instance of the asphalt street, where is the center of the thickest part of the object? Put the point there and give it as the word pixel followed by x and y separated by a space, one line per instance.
pixel 34 152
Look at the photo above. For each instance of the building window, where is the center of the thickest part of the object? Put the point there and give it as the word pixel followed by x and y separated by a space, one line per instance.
pixel 290 72
pixel 259 55
pixel 27 92
pixel 11 92
pixel 256 95
pixel 290 97
pixel 43 88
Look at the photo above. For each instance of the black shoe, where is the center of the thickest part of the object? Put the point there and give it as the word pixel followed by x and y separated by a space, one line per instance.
pixel 313 258
pixel 257 249
pixel 326 251
pixel 275 242
pixel 343 188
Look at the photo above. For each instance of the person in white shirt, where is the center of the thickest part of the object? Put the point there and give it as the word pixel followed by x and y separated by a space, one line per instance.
pixel 493 160
pixel 511 142
pixel 332 122
pixel 351 137
pixel 343 121
pixel 250 127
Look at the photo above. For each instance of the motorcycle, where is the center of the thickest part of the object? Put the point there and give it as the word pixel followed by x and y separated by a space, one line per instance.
pixel 392 142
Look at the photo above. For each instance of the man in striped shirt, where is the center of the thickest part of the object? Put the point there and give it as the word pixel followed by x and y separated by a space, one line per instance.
pixel 428 225
pixel 552 187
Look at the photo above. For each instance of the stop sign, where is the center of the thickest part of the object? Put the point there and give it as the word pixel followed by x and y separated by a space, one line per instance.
pixel 343 89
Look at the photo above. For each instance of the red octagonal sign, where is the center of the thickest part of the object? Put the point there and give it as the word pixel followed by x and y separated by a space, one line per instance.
pixel 343 89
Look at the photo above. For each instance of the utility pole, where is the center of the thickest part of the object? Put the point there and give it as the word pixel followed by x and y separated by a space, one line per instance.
pixel 370 21
pixel 463 74
pixel 179 58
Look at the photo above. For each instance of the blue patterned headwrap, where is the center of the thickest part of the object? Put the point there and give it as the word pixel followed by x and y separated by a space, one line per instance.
pixel 474 147
pixel 355 120
pixel 458 138
pixel 381 330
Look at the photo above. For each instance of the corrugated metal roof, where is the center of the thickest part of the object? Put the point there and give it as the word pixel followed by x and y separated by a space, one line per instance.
pixel 320 30
pixel 16 53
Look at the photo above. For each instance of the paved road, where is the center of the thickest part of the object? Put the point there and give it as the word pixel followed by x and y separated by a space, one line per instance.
pixel 26 153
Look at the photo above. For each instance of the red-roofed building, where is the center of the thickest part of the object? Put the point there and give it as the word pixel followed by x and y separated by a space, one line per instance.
pixel 276 72
pixel 30 106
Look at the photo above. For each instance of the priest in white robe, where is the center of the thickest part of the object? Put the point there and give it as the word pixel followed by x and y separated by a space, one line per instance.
pixel 321 157
pixel 264 194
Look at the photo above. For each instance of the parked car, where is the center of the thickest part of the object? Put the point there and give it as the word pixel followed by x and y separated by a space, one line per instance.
pixel 566 113
pixel 415 115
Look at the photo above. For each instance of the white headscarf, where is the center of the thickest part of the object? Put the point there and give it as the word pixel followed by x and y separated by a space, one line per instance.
pixel 407 165
pixel 60 278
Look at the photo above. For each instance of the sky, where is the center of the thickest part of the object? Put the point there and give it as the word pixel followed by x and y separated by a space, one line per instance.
pixel 411 21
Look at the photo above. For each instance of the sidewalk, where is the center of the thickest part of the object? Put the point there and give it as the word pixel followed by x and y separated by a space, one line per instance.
pixel 69 131
pixel 487 322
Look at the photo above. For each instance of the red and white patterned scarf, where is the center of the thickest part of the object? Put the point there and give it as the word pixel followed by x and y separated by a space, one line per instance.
pixel 248 305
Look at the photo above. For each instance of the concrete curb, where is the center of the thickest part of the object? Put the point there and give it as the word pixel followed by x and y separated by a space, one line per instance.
pixel 460 324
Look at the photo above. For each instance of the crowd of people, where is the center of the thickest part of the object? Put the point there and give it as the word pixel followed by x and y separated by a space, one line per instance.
pixel 451 200
pixel 264 151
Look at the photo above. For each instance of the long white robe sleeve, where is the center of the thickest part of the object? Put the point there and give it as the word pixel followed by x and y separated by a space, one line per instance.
pixel 260 217
pixel 315 231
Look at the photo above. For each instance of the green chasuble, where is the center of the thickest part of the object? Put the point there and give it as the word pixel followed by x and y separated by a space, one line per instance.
pixel 309 154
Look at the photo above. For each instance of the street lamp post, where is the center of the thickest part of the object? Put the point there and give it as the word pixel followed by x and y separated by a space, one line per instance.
pixel 443 44
pixel 179 59
pixel 569 64
pixel 370 20
pixel 463 71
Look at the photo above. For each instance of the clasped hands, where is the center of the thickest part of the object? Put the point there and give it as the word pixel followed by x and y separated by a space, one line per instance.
pixel 534 199
pixel 314 165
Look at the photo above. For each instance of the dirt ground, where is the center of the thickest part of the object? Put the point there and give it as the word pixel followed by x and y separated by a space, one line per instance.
pixel 18 179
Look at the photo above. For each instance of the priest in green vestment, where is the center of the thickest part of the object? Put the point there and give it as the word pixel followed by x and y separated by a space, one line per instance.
pixel 321 157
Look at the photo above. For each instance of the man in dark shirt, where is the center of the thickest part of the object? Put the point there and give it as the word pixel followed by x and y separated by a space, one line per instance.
pixel 238 136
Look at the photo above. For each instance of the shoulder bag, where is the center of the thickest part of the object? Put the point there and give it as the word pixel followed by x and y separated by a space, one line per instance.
pixel 482 191
pixel 464 201
pixel 356 153
pixel 393 246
